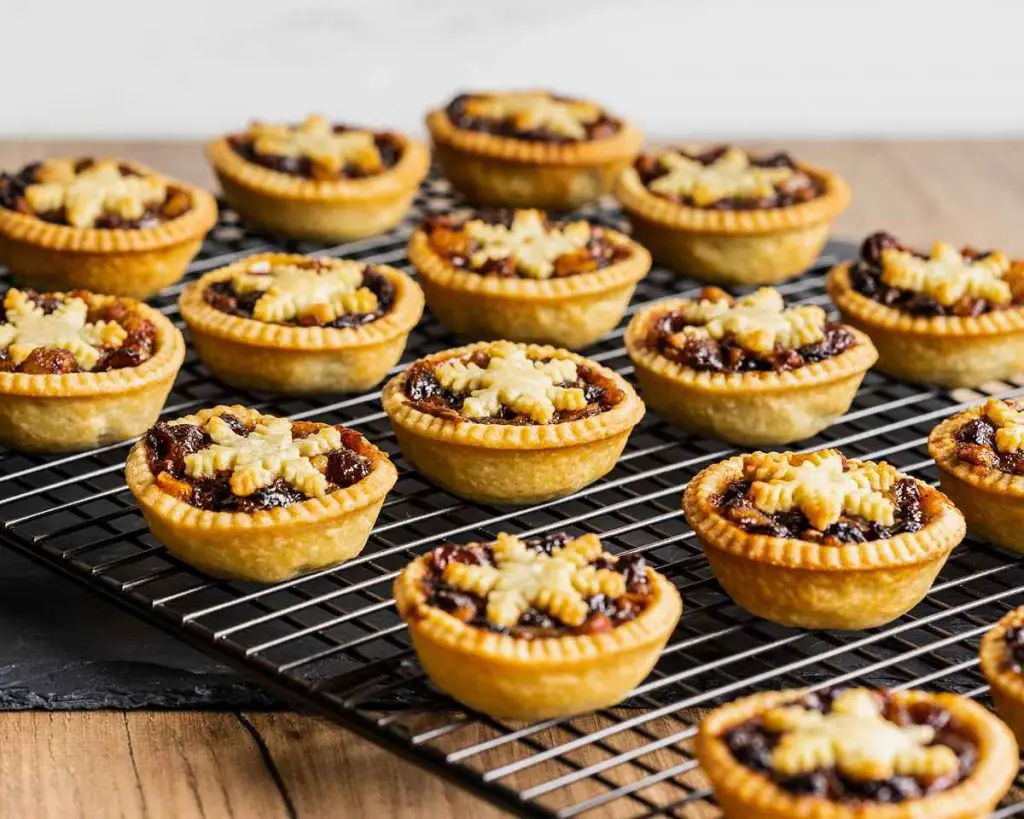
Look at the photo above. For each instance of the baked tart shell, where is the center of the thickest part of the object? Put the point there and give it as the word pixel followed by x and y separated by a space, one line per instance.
pixel 571 312
pixel 512 678
pixel 749 408
pixel 79 411
pixel 798 583
pixel 1007 685
pixel 733 247
pixel 945 351
pixel 331 211
pixel 518 173
pixel 744 794
pixel 266 546
pixel 281 358
pixel 506 464
pixel 135 262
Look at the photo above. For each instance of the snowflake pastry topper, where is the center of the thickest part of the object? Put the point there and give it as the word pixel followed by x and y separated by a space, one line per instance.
pixel 268 453
pixel 324 291
pixel 316 140
pixel 758 321
pixel 558 584
pixel 856 739
pixel 1009 422
pixel 534 111
pixel 512 379
pixel 731 176
pixel 87 194
pixel 28 327
pixel 823 485
pixel 948 275
pixel 533 246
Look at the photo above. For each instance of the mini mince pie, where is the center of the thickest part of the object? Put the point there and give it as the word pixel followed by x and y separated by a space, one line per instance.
pixel 106 225
pixel 511 423
pixel 980 456
pixel 820 541
pixel 254 497
pixel 536 628
pixel 318 180
pixel 856 753
pixel 79 370
pixel 522 149
pixel 301 324
pixel 730 217
pixel 518 275
pixel 747 370
pixel 1002 663
pixel 954 318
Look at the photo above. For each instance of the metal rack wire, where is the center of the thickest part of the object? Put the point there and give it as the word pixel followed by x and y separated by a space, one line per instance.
pixel 332 642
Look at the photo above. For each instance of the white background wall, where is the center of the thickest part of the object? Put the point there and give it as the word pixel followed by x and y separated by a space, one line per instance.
pixel 755 68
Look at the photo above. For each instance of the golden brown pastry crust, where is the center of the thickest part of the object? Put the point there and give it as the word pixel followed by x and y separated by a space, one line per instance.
pixel 290 359
pixel 513 678
pixel 571 312
pixel 506 464
pixel 800 583
pixel 751 408
pixel 76 411
pixel 764 246
pixel 744 794
pixel 947 351
pixel 331 210
pixel 1007 684
pixel 136 262
pixel 519 173
pixel 991 500
pixel 269 545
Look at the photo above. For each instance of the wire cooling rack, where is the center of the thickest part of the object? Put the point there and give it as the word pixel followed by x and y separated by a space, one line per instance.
pixel 331 642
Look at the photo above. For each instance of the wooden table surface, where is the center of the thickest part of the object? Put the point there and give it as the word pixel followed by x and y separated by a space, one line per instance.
pixel 258 766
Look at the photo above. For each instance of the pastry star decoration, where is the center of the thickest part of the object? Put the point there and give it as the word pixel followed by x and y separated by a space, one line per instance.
pixel 66 328
pixel 533 246
pixel 855 738
pixel 266 454
pixel 522 579
pixel 98 189
pixel 316 140
pixel 534 112
pixel 758 321
pixel 1009 423
pixel 947 275
pixel 323 292
pixel 818 486
pixel 512 379
pixel 731 176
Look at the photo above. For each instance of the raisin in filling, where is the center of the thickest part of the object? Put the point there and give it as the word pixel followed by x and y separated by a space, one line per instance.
pixel 223 296
pixel 976 444
pixel 866 279
pixel 604 614
pixel 603 127
pixel 426 394
pixel 388 145
pixel 804 188
pixel 448 240
pixel 1015 648
pixel 751 743
pixel 167 446
pixel 735 504
pixel 12 197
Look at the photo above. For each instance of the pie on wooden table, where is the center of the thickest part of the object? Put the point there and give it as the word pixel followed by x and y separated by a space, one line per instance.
pixel 521 276
pixel 106 225
pixel 300 324
pixel 318 179
pixel 79 370
pixel 536 628
pixel 525 149
pixel 501 422
pixel 728 216
pixel 949 317
pixel 749 370
pixel 818 540
pixel 250 496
